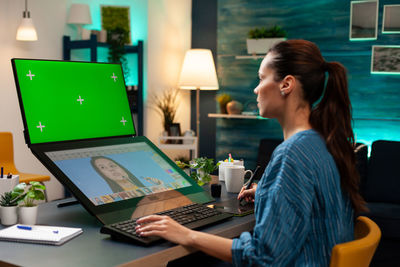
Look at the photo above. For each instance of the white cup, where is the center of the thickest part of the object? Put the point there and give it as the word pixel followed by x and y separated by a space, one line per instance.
pixel 8 184
pixel 223 164
pixel 234 178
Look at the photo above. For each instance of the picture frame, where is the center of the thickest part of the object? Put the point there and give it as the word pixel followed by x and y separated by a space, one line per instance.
pixel 175 130
pixel 113 17
pixel 385 59
pixel 391 19
pixel 363 20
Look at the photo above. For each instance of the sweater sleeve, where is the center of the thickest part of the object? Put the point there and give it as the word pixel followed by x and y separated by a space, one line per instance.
pixel 284 200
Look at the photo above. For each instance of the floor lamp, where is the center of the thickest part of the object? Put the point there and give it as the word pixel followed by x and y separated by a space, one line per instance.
pixel 198 73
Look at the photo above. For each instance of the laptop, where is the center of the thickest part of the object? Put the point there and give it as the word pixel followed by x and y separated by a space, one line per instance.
pixel 78 123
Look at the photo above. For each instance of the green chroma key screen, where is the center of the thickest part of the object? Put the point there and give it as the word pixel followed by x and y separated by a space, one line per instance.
pixel 65 100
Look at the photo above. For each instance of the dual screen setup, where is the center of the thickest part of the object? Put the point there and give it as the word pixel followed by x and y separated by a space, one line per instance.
pixel 78 123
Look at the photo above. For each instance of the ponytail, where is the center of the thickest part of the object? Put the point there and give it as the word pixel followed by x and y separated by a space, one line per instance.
pixel 331 116
pixel 335 107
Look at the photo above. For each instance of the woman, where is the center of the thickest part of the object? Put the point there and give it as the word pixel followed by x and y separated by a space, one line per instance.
pixel 304 202
pixel 117 177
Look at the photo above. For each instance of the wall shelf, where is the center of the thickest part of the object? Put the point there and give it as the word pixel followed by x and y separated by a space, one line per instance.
pixel 236 116
pixel 93 44
pixel 250 57
pixel 188 143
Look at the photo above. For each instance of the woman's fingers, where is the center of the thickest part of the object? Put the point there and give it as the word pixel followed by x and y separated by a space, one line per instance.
pixel 149 219
pixel 148 229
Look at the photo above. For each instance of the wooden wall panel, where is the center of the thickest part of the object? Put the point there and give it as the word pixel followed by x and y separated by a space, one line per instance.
pixel 375 98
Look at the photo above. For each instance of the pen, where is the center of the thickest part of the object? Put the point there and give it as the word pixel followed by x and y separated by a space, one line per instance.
pixel 24 227
pixel 2 171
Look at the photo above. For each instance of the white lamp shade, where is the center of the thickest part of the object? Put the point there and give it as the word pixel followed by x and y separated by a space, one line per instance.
pixel 79 14
pixel 26 30
pixel 198 71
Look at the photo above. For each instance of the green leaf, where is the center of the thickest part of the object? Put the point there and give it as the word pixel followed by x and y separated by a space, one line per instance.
pixel 20 187
pixel 34 183
pixel 31 194
pixel 39 195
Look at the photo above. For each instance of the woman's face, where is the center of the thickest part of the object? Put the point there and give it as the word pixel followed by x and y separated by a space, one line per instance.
pixel 110 169
pixel 269 98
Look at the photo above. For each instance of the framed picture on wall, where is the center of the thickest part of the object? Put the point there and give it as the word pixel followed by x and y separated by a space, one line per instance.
pixel 116 19
pixel 385 59
pixel 391 19
pixel 363 20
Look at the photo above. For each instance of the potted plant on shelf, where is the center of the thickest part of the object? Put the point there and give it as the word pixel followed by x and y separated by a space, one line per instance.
pixel 260 40
pixel 166 105
pixel 222 100
pixel 203 168
pixel 116 39
pixel 28 210
pixel 8 207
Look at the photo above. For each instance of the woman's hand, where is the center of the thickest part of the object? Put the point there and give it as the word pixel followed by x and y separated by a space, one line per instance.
pixel 248 194
pixel 165 227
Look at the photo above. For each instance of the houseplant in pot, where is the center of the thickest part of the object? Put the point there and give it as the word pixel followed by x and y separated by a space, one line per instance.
pixel 222 100
pixel 116 52
pixel 203 168
pixel 260 40
pixel 166 105
pixel 28 210
pixel 8 207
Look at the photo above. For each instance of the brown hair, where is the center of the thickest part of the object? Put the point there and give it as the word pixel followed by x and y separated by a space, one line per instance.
pixel 330 105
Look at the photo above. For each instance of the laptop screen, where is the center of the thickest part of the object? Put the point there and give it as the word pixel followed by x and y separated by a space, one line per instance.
pixel 64 100
pixel 108 174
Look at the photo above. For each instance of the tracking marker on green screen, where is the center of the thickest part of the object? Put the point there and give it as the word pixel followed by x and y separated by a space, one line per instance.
pixel 66 100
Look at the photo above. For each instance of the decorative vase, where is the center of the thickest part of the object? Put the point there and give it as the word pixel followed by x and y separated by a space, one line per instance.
pixel 234 107
pixel 9 215
pixel 222 108
pixel 261 46
pixel 28 215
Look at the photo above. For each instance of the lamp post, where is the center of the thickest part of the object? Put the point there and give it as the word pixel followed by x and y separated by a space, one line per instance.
pixel 198 73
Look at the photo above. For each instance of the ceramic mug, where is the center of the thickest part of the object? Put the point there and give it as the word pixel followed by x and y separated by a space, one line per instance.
pixel 234 178
pixel 223 164
pixel 7 184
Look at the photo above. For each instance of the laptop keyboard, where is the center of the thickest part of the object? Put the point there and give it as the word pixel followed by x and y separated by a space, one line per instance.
pixel 192 216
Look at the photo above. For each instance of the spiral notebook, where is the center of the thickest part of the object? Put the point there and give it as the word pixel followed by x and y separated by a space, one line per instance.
pixel 50 235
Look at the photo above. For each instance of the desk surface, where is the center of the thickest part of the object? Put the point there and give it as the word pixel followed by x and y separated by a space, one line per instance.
pixel 95 249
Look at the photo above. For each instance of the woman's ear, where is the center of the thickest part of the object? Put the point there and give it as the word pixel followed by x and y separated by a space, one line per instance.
pixel 287 84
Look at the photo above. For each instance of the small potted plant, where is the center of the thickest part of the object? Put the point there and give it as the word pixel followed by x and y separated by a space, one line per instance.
pixel 116 39
pixel 203 168
pixel 28 210
pixel 166 105
pixel 222 100
pixel 260 40
pixel 183 164
pixel 8 207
